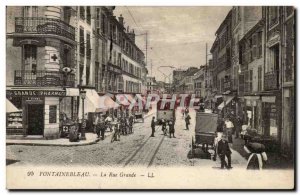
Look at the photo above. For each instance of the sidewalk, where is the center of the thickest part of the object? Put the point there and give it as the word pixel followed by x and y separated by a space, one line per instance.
pixel 91 138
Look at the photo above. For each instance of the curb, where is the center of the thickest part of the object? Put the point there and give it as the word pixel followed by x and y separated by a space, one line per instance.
pixel 62 145
pixel 65 145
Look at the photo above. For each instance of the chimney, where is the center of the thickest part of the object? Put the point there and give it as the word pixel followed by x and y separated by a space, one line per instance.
pixel 131 35
pixel 121 20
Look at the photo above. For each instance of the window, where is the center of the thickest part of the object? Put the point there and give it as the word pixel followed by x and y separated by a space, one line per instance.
pixel 66 58
pixel 259 75
pixel 103 24
pixel 273 16
pixel 259 44
pixel 250 80
pixel 254 47
pixel 81 74
pixel 98 21
pixel 97 76
pixel 88 45
pixel 52 114
pixel 103 52
pixel 81 39
pixel 30 11
pixel 30 54
pixel 114 57
pixel 246 81
pixel 87 71
pixel 290 51
pixel 250 57
pixel 82 12
pixel 88 14
pixel 119 59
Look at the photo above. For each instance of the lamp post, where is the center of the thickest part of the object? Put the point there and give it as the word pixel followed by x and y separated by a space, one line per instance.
pixel 83 122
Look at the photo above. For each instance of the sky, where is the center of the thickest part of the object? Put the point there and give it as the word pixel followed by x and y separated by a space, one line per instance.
pixel 177 36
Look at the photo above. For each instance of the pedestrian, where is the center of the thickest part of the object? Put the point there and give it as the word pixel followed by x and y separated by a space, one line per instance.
pixel 123 125
pixel 164 126
pixel 95 123
pixel 108 121
pixel 186 111
pixel 153 126
pixel 187 121
pixel 101 128
pixel 130 123
pixel 238 126
pixel 172 129
pixel 224 151
pixel 258 156
pixel 228 129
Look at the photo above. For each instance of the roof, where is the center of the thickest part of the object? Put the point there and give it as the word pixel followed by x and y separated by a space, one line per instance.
pixel 259 24
pixel 191 72
pixel 227 19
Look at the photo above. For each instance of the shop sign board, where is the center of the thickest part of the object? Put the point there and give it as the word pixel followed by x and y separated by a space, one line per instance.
pixel 44 93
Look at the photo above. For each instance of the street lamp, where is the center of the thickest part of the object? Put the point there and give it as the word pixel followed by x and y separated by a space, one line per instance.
pixel 83 125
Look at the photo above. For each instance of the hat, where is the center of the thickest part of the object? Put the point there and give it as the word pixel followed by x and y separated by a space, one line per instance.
pixel 254 148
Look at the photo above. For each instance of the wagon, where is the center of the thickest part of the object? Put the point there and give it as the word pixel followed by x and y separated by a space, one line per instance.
pixel 205 131
pixel 139 115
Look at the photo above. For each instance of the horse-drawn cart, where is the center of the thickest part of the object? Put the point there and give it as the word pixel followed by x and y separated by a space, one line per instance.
pixel 205 132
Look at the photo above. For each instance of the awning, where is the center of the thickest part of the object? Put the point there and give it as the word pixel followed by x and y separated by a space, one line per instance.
pixel 216 97
pixel 105 103
pixel 221 106
pixel 10 107
pixel 94 103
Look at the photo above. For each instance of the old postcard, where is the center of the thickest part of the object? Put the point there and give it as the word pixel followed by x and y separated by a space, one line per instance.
pixel 127 97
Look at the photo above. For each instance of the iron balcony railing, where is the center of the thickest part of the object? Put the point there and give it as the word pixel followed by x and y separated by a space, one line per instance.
pixel 271 81
pixel 44 26
pixel 42 78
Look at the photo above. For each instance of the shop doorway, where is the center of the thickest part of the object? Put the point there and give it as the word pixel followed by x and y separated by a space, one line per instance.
pixel 35 119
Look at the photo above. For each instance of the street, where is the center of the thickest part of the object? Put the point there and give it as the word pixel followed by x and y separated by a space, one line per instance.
pixel 137 149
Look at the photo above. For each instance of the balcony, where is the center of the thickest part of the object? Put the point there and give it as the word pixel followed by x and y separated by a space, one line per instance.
pixel 43 79
pixel 271 81
pixel 44 26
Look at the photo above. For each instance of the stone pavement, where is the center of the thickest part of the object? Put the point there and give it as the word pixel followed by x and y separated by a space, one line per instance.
pixel 91 138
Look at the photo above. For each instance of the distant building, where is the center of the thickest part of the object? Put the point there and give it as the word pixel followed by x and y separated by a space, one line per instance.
pixel 186 84
pixel 152 86
pixel 178 75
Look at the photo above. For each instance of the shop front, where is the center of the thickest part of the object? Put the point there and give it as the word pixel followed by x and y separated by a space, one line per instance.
pixel 39 112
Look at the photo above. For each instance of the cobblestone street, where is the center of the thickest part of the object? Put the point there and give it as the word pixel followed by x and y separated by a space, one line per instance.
pixel 138 149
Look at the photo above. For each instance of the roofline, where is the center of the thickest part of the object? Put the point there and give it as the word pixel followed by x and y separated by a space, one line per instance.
pixel 224 21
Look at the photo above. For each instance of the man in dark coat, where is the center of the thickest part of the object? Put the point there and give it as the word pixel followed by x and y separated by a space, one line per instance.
pixel 101 127
pixel 153 126
pixel 187 121
pixel 224 150
pixel 172 129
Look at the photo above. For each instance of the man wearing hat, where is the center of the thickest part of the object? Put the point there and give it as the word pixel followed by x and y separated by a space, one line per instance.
pixel 224 151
